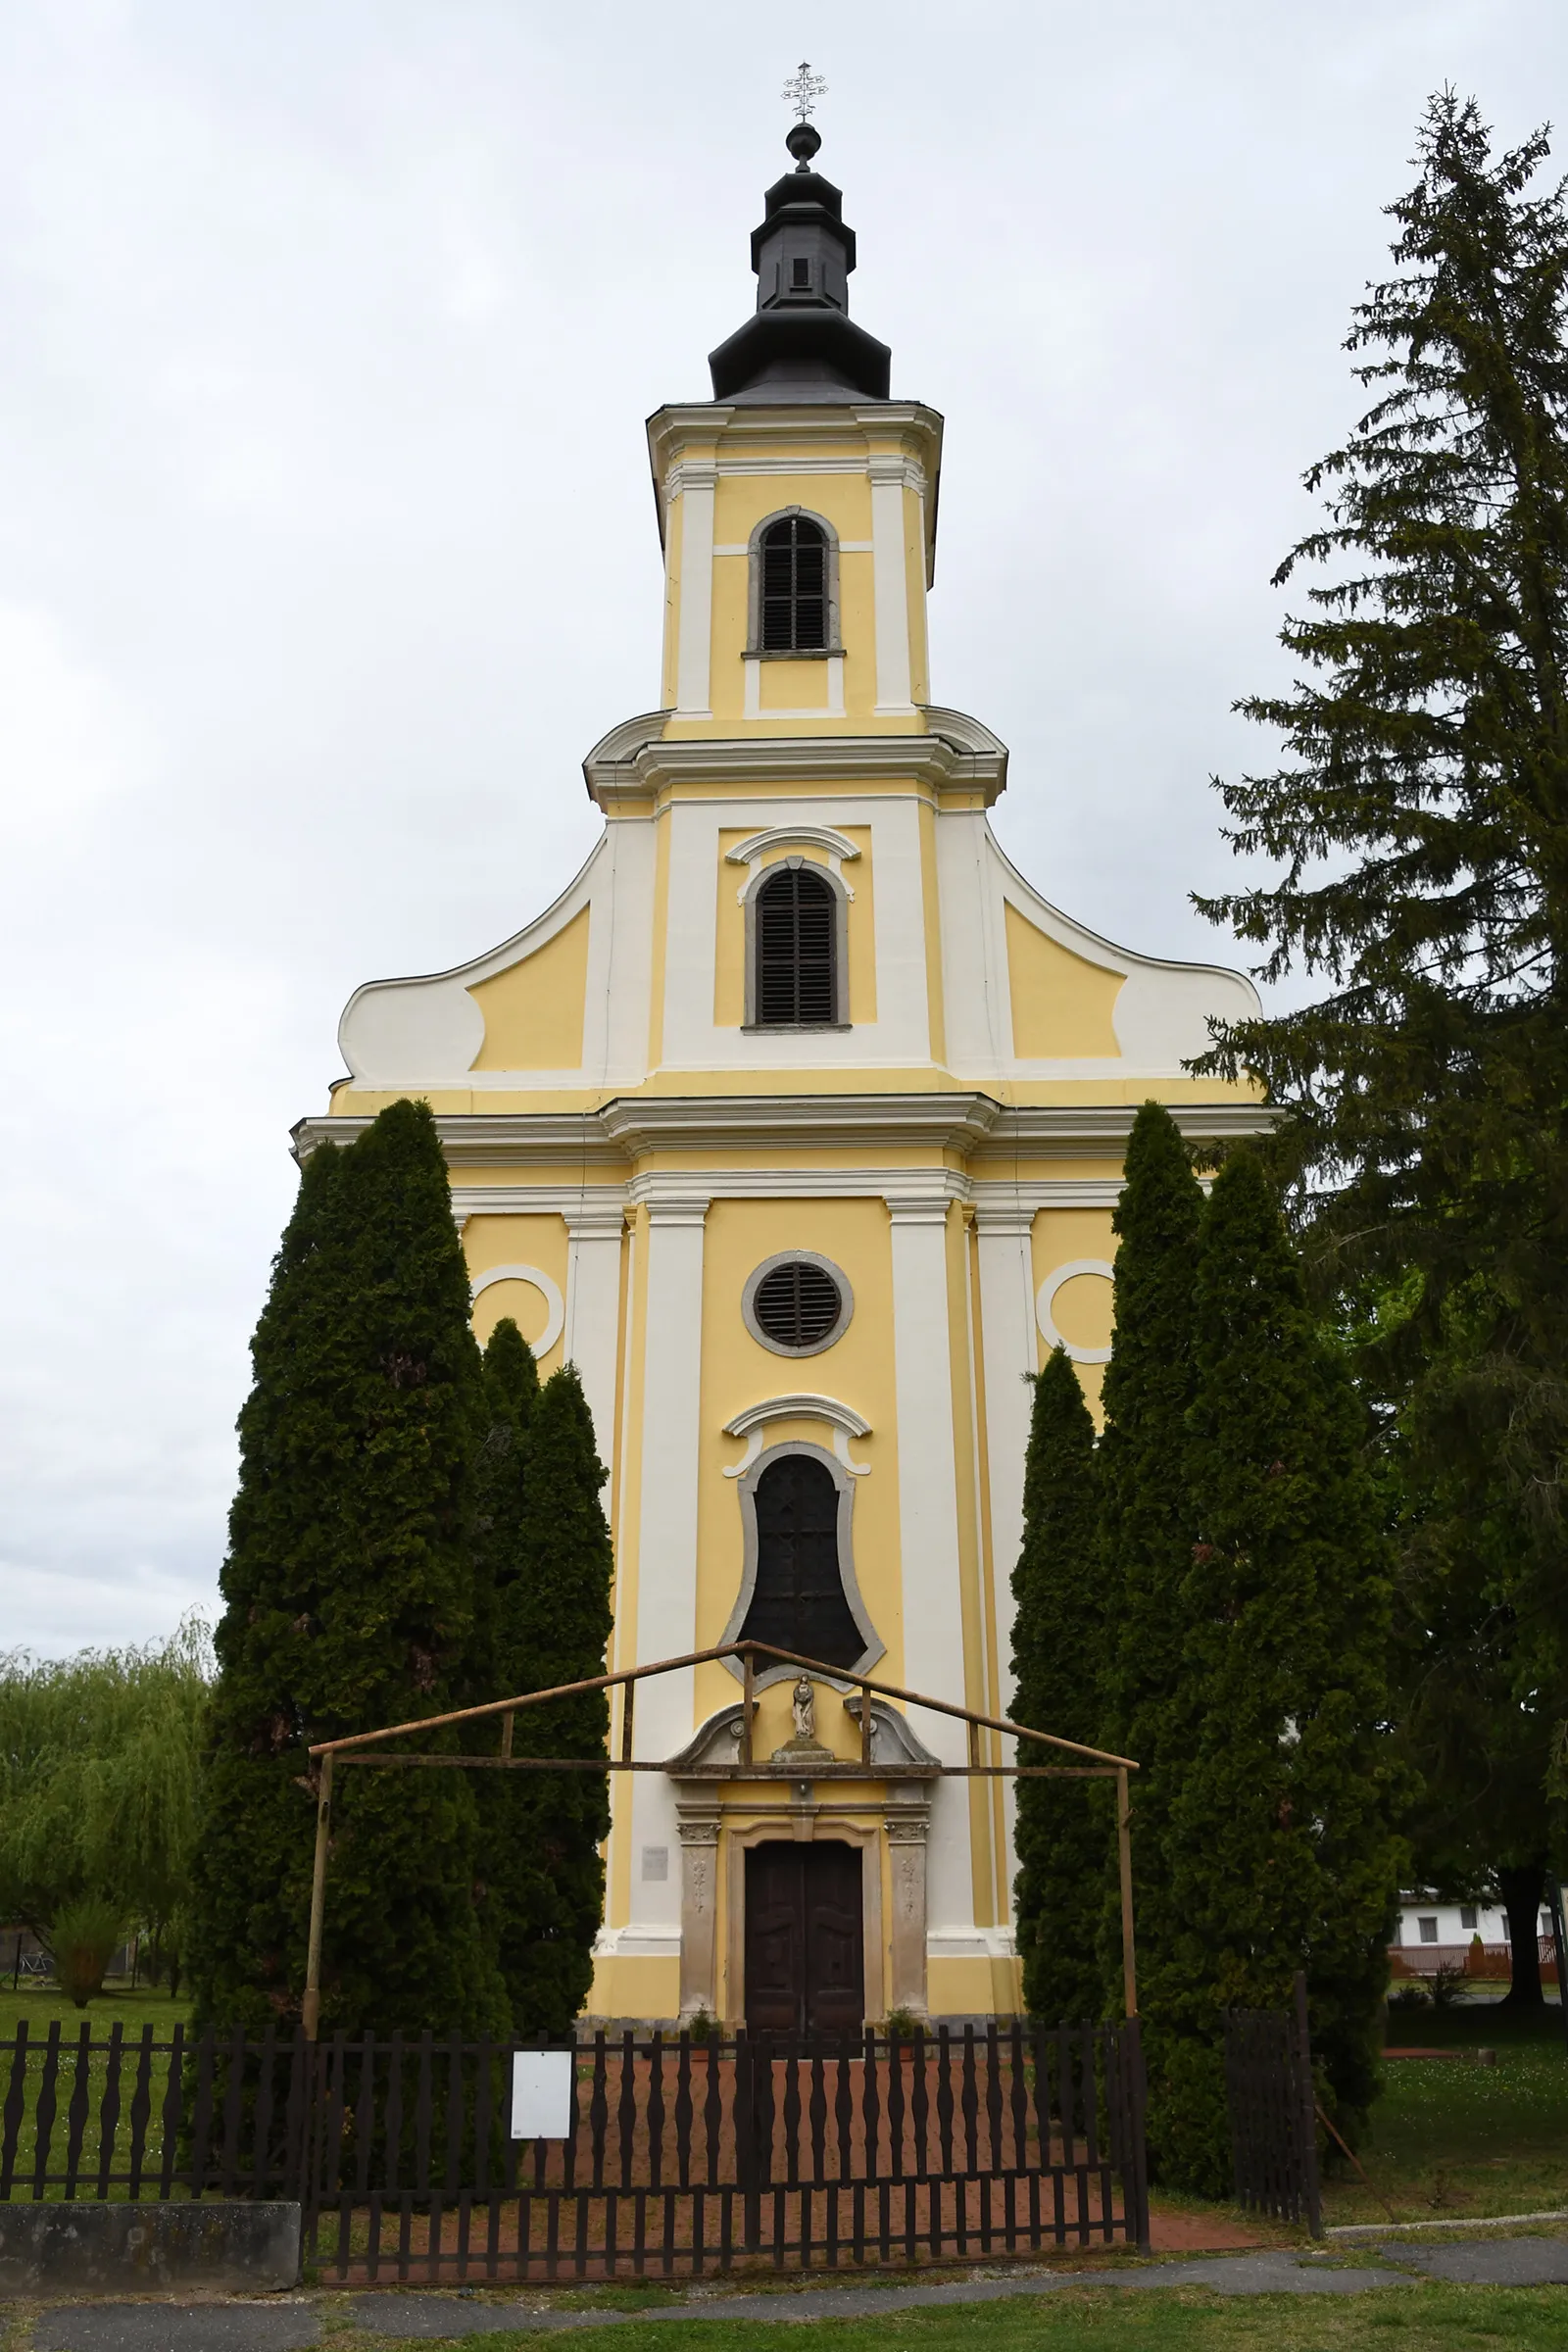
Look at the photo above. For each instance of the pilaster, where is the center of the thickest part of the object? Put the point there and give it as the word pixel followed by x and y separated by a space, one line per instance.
pixel 593 1310
pixel 695 642
pixel 928 1526
pixel 698 1823
pixel 666 1534
pixel 1004 1231
pixel 890 584
pixel 909 1830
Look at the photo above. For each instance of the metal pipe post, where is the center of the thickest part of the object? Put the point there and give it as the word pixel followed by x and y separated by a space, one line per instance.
pixel 1124 1855
pixel 311 2007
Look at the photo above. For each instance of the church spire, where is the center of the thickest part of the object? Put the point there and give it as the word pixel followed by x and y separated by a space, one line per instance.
pixel 802 344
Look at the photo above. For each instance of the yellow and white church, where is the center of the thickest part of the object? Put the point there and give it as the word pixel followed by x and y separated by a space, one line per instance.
pixel 796 1123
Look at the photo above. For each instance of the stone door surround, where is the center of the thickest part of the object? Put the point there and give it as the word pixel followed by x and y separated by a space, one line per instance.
pixel 721 1812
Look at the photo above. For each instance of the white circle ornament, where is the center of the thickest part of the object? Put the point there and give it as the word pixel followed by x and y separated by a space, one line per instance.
pixel 548 1291
pixel 1045 1300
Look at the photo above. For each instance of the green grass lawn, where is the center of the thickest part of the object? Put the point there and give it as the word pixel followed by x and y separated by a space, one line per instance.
pixel 1423 2318
pixel 1451 2138
pixel 41 2004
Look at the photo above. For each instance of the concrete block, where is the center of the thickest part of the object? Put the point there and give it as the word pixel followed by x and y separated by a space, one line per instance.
pixel 229 2246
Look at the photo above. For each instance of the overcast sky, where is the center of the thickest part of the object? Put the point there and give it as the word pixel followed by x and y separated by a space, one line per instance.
pixel 327 544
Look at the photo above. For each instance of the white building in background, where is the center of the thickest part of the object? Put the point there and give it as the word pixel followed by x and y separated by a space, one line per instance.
pixel 1426 1922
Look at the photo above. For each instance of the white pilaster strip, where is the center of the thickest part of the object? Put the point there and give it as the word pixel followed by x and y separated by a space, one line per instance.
pixel 666 1537
pixel 1008 1324
pixel 693 651
pixel 928 1532
pixel 593 1310
pixel 889 584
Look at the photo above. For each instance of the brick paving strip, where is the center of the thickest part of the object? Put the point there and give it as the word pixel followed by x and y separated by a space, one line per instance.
pixel 293 2323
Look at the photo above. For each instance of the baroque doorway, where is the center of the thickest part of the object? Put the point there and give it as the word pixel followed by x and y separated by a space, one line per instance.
pixel 804 1937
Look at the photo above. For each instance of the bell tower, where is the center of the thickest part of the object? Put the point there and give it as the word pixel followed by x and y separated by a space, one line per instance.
pixel 800 449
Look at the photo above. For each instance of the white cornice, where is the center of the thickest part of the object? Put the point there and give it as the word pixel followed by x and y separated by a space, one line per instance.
pixel 990 1134
pixel 474 1139
pixel 943 1121
pixel 602 1208
pixel 623 767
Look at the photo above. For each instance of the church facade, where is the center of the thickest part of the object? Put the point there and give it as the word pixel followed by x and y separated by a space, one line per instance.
pixel 797 1124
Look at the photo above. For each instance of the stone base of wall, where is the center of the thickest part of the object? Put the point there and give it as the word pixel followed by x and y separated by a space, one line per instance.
pixel 146 2249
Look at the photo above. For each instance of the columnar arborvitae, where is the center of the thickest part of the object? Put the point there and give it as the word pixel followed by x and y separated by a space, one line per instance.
pixel 1146 1521
pixel 554 1623
pixel 350 1594
pixel 508 1392
pixel 1056 1629
pixel 1278 1847
pixel 498 1667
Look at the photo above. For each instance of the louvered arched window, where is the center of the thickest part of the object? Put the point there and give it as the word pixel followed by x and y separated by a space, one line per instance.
pixel 794 602
pixel 795 950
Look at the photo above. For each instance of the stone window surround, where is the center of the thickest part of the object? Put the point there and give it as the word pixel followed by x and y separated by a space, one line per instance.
pixel 792 1257
pixel 746 1489
pixel 841 947
pixel 755 651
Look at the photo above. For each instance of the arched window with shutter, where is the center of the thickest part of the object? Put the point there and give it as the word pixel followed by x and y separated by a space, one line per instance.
pixel 798 1586
pixel 793 586
pixel 795 919
pixel 798 1601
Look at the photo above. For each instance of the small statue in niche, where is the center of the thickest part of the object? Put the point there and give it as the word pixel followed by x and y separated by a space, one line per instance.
pixel 804 1704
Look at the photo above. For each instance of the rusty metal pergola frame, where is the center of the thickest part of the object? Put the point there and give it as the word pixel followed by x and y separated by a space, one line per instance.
pixel 350 1750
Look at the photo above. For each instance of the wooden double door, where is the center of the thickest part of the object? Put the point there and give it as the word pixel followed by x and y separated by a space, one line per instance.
pixel 804 1939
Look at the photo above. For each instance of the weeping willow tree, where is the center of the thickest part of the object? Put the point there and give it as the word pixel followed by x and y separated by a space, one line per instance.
pixel 99 1769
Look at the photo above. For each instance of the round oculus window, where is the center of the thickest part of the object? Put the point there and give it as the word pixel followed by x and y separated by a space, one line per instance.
pixel 796 1304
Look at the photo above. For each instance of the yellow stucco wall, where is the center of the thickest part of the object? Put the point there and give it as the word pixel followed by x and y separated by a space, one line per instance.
pixel 533 1011
pixel 1062 1006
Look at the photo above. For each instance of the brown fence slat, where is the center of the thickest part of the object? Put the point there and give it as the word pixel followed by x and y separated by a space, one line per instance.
pixel 924 2146
pixel 1268 2082
pixel 76 2112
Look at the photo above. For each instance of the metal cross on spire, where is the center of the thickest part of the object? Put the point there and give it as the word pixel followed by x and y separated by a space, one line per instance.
pixel 803 90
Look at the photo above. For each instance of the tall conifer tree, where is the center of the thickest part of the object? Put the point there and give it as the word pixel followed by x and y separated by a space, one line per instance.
pixel 349 1599
pixel 508 1393
pixel 1278 1845
pixel 1145 1518
pixel 1418 820
pixel 499 1664
pixel 1057 1626
pixel 554 1622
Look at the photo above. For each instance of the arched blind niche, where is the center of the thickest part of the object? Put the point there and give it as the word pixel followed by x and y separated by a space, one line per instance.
pixel 795 945
pixel 798 1601
pixel 794 604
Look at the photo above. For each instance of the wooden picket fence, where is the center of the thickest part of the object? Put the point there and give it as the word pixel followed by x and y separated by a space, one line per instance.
pixel 680 2157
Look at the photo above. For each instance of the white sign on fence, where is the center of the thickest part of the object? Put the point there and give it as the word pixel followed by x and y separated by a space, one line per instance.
pixel 541 2093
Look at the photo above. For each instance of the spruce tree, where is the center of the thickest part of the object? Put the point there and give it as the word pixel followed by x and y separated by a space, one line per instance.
pixel 349 1587
pixel 1056 1629
pixel 1146 1519
pixel 554 1619
pixel 1418 821
pixel 1278 1845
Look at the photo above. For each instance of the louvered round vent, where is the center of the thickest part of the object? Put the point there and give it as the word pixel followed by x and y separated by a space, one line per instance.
pixel 796 1304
